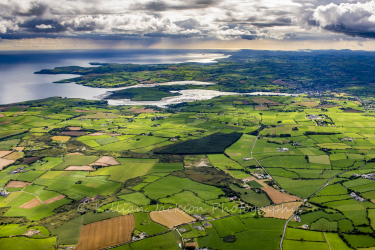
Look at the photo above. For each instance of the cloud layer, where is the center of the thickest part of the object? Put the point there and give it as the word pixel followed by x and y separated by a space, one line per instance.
pixel 204 19
pixel 355 19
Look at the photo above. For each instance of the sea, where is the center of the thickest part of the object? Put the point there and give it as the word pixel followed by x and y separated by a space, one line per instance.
pixel 18 82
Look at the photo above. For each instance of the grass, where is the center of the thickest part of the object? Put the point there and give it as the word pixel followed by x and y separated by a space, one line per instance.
pixel 336 242
pixel 319 159
pixel 76 185
pixel 171 185
pixel 212 144
pixel 143 223
pixel 140 94
pixel 129 168
pixel 324 225
pixel 106 141
pixel 263 233
pixel 360 241
pixel 164 241
pixel 305 245
pixel 188 202
pixel 136 198
pixel 301 188
pixel 12 230
pixel 76 160
pixel 47 163
pixel 345 226
pixel 323 199
pixel 165 167
pixel 27 243
pixel 224 163
pixel 254 184
pixel 229 226
pixel 303 235
pixel 336 189
pixel 10 144
pixel 353 210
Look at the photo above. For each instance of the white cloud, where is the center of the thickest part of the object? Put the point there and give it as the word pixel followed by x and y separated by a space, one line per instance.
pixel 351 18
pixel 43 26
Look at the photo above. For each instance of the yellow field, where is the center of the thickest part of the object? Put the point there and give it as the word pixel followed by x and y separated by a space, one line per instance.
pixel 14 156
pixel 171 217
pixel 281 211
pixel 60 138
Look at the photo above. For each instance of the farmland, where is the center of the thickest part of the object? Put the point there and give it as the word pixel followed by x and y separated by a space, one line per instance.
pixel 227 173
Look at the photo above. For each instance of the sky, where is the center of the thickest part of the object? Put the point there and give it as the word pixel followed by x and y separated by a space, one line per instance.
pixel 188 24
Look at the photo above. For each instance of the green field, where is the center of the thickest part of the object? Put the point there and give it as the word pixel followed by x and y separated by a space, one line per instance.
pixel 195 155
pixel 128 169
pixel 229 226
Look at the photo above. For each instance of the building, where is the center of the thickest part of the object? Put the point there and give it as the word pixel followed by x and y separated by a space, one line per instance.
pixel 297 218
pixel 282 149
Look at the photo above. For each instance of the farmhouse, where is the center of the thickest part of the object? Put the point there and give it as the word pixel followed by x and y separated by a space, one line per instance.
pixel 368 176
pixel 3 192
pixel 348 139
pixel 199 217
pixel 356 197
pixel 297 218
pixel 282 149
pixel 232 198
pixel 200 228
pixel 18 170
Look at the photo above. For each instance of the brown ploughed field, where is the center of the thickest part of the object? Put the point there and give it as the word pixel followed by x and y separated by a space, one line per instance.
pixel 57 198
pixel 17 184
pixel 31 204
pixel 106 233
pixel 79 168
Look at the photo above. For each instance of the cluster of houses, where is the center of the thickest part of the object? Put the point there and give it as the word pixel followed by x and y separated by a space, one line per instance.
pixel 18 170
pixel 282 149
pixel 247 159
pixel 313 117
pixel 147 134
pixel 156 118
pixel 356 197
pixel 365 176
pixel 262 176
pixel 297 218
pixel 347 139
pixel 200 228
pixel 90 199
pixel 199 217
pixel 3 192
pixel 232 198
pixel 140 236
pixel 296 144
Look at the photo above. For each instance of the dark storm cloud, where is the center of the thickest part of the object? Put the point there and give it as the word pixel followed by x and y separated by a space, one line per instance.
pixel 182 5
pixel 36 9
pixel 38 25
pixel 156 6
pixel 188 24
pixel 340 28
